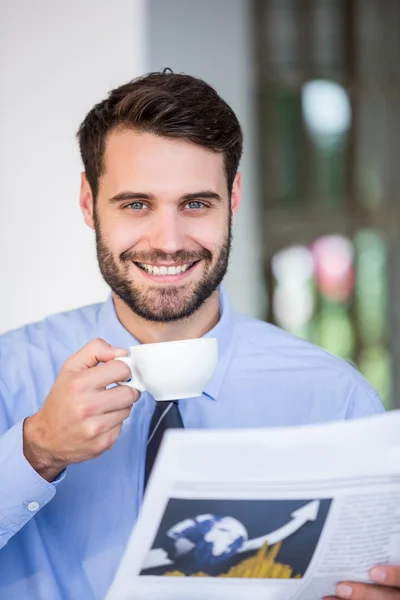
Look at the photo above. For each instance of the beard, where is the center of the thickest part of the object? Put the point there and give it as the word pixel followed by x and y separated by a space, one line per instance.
pixel 162 304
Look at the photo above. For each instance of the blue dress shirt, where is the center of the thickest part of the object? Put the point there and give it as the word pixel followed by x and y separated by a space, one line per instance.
pixel 63 540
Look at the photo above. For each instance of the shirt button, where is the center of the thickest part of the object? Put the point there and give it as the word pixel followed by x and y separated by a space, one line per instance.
pixel 32 506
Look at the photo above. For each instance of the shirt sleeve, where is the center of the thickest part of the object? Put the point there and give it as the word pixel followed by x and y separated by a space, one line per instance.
pixel 23 491
pixel 364 402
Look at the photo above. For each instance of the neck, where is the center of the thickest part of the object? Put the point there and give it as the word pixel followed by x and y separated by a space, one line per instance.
pixel 147 332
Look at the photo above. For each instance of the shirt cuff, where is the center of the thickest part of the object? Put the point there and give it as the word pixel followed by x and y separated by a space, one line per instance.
pixel 24 492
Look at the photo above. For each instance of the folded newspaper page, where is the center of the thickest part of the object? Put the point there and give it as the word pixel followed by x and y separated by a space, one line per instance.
pixel 266 514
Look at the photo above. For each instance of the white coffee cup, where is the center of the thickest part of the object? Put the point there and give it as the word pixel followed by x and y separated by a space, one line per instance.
pixel 172 370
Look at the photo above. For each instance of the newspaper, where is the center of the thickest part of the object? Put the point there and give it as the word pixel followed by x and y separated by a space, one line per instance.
pixel 266 514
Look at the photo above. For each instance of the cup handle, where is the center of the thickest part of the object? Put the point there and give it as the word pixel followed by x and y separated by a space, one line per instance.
pixel 133 381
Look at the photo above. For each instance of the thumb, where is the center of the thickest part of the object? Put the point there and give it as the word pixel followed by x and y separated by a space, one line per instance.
pixel 95 352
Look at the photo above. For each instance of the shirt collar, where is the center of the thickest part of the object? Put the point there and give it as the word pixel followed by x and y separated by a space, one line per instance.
pixel 113 332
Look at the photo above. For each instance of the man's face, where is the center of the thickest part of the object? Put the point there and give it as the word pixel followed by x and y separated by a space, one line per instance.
pixel 163 223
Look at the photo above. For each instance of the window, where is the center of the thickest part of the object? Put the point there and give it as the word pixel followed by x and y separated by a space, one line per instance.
pixel 328 91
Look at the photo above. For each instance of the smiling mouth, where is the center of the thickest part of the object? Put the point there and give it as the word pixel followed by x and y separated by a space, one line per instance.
pixel 164 270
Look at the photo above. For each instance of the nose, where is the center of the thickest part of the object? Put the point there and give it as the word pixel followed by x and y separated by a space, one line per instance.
pixel 167 232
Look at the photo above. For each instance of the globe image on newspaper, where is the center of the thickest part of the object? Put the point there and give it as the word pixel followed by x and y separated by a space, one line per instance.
pixel 205 541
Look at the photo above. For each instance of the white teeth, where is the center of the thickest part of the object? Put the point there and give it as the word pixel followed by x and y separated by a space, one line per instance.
pixel 154 270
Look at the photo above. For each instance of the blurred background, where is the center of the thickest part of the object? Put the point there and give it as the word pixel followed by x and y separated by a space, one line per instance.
pixel 315 84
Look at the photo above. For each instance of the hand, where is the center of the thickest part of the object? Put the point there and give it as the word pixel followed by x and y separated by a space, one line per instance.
pixel 387 588
pixel 80 419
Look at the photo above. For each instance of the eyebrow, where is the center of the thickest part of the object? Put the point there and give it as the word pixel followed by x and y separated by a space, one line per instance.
pixel 130 195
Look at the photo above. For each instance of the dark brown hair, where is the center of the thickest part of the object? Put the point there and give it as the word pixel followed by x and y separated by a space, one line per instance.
pixel 167 104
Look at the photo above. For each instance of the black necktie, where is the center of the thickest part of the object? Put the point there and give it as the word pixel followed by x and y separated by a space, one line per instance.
pixel 166 416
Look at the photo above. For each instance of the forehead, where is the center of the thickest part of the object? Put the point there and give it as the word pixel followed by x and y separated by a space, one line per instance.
pixel 149 163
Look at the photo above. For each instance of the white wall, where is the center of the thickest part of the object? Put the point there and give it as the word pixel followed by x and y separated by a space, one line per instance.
pixel 212 39
pixel 56 60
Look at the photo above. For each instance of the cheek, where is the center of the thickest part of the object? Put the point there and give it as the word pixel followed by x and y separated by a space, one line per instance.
pixel 210 233
pixel 121 235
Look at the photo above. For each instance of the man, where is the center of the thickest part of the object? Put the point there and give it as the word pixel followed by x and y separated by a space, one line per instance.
pixel 160 189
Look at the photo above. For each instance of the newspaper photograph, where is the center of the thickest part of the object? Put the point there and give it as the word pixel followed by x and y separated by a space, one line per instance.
pixel 231 540
pixel 272 514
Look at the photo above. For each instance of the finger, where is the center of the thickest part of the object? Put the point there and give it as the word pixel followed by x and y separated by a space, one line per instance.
pixel 102 403
pixel 109 372
pixel 364 591
pixel 109 401
pixel 115 418
pixel 101 424
pixel 92 354
pixel 118 398
pixel 386 575
pixel 108 439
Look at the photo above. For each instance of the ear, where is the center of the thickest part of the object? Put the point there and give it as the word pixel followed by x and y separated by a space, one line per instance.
pixel 86 201
pixel 236 194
